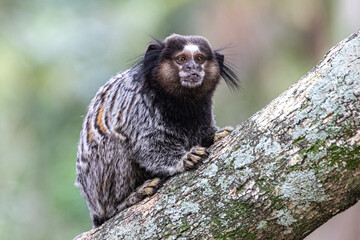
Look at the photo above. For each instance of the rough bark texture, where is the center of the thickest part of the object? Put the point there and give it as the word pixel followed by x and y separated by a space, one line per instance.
pixel 279 175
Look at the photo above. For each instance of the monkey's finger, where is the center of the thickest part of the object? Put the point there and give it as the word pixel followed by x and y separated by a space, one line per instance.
pixel 149 191
pixel 192 157
pixel 200 151
pixel 149 187
pixel 222 133
pixel 188 164
pixel 154 182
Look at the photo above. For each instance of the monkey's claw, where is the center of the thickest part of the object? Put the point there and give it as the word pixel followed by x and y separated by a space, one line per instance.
pixel 223 132
pixel 149 187
pixel 194 157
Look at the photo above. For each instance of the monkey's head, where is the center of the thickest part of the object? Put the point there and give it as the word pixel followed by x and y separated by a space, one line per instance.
pixel 185 66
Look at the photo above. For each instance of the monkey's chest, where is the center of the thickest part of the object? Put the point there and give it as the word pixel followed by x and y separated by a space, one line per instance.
pixel 185 135
pixel 184 124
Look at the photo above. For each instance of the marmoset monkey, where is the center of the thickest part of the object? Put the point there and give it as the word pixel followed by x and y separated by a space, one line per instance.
pixel 148 123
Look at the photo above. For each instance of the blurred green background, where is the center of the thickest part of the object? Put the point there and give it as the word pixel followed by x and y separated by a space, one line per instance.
pixel 55 54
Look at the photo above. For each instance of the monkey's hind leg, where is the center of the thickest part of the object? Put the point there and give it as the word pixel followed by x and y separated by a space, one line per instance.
pixel 223 132
pixel 148 188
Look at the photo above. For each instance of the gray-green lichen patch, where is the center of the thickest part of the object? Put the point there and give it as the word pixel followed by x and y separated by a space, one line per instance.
pixel 177 212
pixel 302 188
pixel 203 183
pixel 325 99
pixel 151 229
pixel 299 132
pixel 189 207
pixel 269 169
pixel 317 155
pixel 262 225
pixel 211 170
pixel 343 65
pixel 225 181
pixel 315 135
pixel 303 114
pixel 245 174
pixel 165 200
pixel 243 156
pixel 130 231
pixel 285 218
pixel 269 146
pixel 312 135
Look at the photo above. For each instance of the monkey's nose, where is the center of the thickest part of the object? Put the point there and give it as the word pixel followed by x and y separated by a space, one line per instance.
pixel 194 74
pixel 191 66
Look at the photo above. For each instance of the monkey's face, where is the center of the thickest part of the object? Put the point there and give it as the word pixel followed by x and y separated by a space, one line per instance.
pixel 187 67
pixel 191 66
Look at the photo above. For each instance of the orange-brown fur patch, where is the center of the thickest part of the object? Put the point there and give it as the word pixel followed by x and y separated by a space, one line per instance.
pixel 90 134
pixel 121 112
pixel 131 104
pixel 99 119
pixel 168 76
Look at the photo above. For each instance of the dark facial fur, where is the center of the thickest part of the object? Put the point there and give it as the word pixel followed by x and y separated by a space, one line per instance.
pixel 186 66
pixel 148 123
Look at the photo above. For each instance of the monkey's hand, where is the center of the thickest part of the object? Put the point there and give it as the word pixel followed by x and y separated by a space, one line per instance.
pixel 193 157
pixel 223 132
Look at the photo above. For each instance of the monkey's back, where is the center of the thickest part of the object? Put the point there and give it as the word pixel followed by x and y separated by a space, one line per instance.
pixel 105 172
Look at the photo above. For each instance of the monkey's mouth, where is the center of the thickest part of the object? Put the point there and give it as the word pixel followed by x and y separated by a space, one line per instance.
pixel 191 80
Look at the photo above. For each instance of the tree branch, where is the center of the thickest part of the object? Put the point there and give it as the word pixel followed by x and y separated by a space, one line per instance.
pixel 279 175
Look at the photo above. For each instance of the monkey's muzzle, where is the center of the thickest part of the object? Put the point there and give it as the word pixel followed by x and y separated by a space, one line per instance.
pixel 191 79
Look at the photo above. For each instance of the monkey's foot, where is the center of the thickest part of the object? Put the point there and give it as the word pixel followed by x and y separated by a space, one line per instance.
pixel 149 187
pixel 194 157
pixel 223 132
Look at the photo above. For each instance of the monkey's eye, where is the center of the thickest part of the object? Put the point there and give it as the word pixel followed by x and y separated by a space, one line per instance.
pixel 180 60
pixel 200 59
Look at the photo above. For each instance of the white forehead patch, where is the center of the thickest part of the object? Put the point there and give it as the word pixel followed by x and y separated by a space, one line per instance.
pixel 191 48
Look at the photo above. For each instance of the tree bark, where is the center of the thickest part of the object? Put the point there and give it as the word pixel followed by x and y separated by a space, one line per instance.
pixel 279 175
